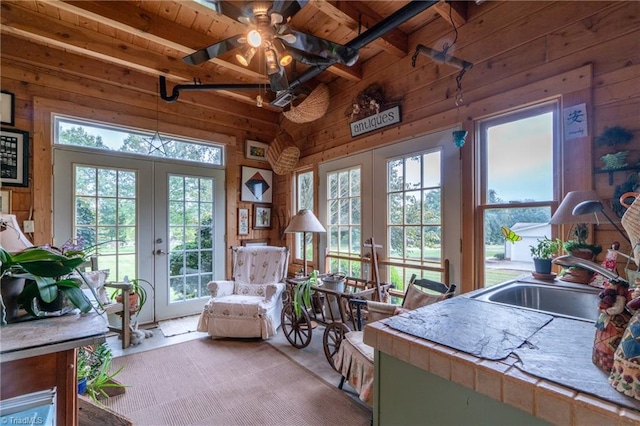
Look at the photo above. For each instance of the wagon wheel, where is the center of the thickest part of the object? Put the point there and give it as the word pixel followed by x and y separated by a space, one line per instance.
pixel 297 329
pixel 333 336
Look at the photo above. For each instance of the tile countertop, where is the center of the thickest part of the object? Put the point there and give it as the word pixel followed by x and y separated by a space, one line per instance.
pixel 501 379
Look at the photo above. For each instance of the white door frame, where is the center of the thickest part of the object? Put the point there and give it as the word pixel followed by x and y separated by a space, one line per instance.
pixel 148 170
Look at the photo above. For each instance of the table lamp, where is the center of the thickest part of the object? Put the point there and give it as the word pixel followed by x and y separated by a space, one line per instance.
pixel 11 237
pixel 304 221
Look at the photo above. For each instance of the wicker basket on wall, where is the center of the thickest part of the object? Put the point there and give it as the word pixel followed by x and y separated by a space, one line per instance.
pixel 311 108
pixel 283 154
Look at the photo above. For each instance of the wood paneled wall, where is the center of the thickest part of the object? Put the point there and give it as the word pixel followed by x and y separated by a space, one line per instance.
pixel 522 52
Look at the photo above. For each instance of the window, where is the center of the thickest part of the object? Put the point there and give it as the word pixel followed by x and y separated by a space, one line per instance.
pixel 84 133
pixel 303 199
pixel 518 158
pixel 414 214
pixel 344 220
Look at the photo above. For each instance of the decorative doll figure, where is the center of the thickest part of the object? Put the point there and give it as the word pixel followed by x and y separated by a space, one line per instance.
pixel 625 373
pixel 610 325
pixel 613 318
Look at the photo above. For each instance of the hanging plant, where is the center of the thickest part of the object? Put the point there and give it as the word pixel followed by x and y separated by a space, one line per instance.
pixel 614 136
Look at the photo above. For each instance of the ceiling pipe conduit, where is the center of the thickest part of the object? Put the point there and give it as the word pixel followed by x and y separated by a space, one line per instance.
pixel 175 93
pixel 378 30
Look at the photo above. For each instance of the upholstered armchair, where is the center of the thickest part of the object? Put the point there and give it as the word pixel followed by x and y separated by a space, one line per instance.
pixel 250 304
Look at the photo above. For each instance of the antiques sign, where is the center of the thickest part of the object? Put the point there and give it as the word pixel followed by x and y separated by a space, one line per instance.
pixel 377 121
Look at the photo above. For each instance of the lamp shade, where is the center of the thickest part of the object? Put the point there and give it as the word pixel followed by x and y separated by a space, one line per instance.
pixel 11 238
pixel 564 214
pixel 304 221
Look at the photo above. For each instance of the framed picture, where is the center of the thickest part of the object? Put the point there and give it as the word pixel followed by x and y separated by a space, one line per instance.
pixel 261 216
pixel 256 150
pixel 257 185
pixel 250 243
pixel 7 108
pixel 14 157
pixel 5 202
pixel 243 221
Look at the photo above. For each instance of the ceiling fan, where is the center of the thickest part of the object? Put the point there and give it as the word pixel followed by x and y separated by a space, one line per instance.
pixel 268 31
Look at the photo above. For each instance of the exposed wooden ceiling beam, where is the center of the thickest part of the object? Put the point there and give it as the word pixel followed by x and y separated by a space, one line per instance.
pixel 126 17
pixel 359 17
pixel 452 10
pixel 41 56
pixel 28 24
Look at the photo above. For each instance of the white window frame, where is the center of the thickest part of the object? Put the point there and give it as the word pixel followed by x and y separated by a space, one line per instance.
pixel 482 189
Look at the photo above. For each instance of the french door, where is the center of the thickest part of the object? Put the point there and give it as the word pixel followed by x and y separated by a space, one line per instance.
pixel 162 222
pixel 405 195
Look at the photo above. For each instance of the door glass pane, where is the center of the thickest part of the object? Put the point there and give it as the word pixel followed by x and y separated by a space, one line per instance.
pixel 105 217
pixel 414 201
pixel 191 213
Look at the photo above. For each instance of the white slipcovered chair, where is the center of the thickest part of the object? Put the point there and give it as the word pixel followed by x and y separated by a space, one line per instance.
pixel 250 304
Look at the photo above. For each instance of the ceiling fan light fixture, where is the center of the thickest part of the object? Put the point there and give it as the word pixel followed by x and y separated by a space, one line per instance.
pixel 245 57
pixel 254 38
pixel 284 57
pixel 272 62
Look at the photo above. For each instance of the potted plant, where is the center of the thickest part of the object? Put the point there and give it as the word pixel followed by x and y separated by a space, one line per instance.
pixel 94 365
pixel 612 136
pixel 44 271
pixel 138 295
pixel 543 252
pixel 579 247
pixel 302 293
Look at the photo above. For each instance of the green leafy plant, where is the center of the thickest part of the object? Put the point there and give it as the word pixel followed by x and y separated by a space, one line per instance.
pixel 302 292
pixel 138 289
pixel 94 364
pixel 545 248
pixel 614 136
pixel 579 243
pixel 45 269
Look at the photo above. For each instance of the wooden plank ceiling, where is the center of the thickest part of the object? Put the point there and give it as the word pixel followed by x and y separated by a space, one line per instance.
pixel 151 37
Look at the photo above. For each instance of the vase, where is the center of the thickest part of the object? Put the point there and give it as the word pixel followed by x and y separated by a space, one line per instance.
pixel 542 266
pixel 133 301
pixel 10 290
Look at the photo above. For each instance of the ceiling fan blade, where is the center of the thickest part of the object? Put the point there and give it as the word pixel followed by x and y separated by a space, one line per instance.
pixel 286 8
pixel 324 48
pixel 279 81
pixel 203 55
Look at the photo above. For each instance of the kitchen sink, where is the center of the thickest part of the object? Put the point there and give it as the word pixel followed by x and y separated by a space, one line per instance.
pixel 577 301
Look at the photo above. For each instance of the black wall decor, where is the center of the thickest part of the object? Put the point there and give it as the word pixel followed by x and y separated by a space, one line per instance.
pixel 14 157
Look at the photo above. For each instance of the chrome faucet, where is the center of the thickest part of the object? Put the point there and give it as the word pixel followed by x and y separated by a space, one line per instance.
pixel 568 261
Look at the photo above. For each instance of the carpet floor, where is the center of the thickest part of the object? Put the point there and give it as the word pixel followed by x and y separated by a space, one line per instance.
pixel 228 382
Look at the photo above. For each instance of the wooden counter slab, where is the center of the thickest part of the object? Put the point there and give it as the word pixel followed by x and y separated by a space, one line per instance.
pixel 42 336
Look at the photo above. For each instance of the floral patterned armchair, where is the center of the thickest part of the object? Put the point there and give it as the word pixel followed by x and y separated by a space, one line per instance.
pixel 250 305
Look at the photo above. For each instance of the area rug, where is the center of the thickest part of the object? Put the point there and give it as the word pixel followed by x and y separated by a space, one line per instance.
pixel 228 382
pixel 183 325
